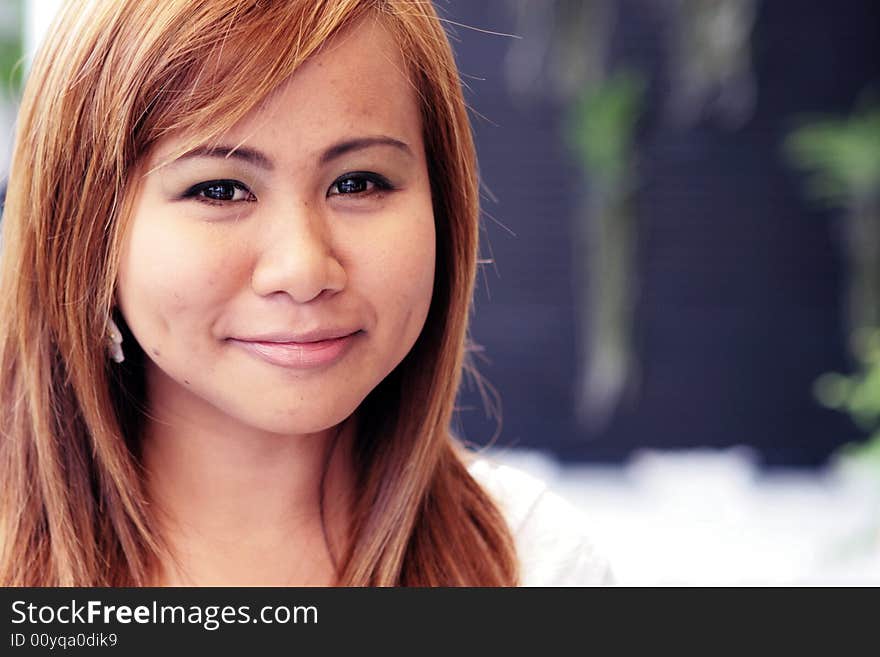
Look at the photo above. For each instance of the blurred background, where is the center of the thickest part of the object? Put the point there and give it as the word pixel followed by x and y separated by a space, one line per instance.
pixel 677 318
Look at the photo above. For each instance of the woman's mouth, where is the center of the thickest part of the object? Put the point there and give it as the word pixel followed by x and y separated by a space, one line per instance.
pixel 299 355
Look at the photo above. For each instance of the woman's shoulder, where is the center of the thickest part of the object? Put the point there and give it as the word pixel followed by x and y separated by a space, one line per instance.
pixel 550 533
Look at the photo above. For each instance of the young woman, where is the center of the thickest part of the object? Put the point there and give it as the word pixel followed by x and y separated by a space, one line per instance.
pixel 238 254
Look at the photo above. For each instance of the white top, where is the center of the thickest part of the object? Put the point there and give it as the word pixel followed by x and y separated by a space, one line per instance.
pixel 549 532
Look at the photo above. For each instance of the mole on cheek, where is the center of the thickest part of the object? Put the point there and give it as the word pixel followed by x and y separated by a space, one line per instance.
pixel 155 352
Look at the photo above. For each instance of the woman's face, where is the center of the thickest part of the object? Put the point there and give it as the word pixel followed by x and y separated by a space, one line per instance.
pixel 276 280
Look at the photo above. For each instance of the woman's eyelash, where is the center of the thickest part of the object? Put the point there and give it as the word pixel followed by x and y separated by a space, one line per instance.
pixel 219 192
pixel 357 184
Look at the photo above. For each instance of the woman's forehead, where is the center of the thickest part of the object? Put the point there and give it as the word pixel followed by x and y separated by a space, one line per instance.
pixel 356 86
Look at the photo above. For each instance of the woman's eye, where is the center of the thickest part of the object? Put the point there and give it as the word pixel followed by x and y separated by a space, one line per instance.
pixel 220 191
pixel 358 184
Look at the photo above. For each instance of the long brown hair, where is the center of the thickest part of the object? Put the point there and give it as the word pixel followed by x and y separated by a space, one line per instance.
pixel 114 77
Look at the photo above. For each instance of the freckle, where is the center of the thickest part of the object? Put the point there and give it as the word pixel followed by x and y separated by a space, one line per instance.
pixel 155 352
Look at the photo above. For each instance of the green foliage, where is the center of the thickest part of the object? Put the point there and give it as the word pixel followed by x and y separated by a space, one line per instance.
pixel 11 13
pixel 842 157
pixel 10 68
pixel 603 126
pixel 858 395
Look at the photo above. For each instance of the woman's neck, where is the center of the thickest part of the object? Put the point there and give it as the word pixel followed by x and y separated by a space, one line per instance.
pixel 240 507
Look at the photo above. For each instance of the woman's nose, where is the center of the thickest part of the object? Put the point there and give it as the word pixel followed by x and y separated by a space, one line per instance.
pixel 297 259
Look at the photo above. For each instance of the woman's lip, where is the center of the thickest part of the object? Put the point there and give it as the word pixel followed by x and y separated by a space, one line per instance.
pixel 299 355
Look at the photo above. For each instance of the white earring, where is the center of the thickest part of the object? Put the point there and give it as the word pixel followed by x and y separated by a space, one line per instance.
pixel 114 341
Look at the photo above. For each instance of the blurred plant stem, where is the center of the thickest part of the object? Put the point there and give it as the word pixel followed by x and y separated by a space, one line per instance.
pixel 563 48
pixel 842 159
pixel 565 55
pixel 602 134
pixel 711 61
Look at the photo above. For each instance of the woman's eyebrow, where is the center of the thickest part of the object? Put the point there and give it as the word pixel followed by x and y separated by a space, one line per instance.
pixel 360 143
pixel 260 159
pixel 249 155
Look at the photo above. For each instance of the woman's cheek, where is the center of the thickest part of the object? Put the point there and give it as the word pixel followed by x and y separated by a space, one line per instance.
pixel 424 260
pixel 411 279
pixel 406 269
pixel 170 284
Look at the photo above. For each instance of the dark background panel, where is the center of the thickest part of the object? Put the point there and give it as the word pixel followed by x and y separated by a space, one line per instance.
pixel 740 280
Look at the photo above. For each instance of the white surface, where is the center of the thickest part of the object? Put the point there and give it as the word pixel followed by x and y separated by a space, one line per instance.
pixel 552 540
pixel 713 518
pixel 37 19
